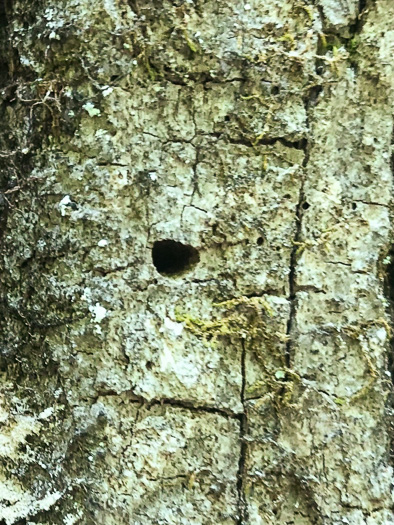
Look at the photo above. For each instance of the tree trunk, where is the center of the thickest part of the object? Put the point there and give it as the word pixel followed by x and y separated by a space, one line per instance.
pixel 196 276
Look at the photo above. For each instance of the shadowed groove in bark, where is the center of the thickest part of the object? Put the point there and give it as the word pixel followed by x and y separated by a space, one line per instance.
pixel 389 283
pixel 176 403
pixel 388 287
pixel 4 43
pixel 3 15
pixel 302 205
pixel 7 155
pixel 292 273
pixel 242 507
pixel 337 38
pixel 357 25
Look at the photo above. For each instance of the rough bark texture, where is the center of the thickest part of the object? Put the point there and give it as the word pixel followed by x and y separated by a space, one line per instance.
pixel 241 377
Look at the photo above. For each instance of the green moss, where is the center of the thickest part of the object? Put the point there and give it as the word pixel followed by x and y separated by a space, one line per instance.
pixel 192 45
pixel 328 42
pixel 249 319
pixel 289 38
pixel 279 387
pixel 242 317
pixel 353 45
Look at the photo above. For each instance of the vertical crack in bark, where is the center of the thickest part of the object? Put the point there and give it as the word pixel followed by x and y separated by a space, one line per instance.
pixel 3 16
pixel 292 273
pixel 388 283
pixel 243 423
pixel 389 278
pixel 356 28
pixel 7 149
pixel 309 102
pixel 5 45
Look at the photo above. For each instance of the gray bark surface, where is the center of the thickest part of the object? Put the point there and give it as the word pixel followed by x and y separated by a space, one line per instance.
pixel 196 276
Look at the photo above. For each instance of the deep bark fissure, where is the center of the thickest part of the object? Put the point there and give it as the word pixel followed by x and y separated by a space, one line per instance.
pixel 293 264
pixel 243 421
pixel 267 141
pixel 348 39
pixel 5 9
pixel 306 145
pixel 389 282
pixel 292 279
pixel 177 403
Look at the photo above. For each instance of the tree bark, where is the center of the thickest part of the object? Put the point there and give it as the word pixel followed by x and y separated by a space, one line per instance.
pixel 196 277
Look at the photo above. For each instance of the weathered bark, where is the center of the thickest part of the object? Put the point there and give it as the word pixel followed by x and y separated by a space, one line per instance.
pixel 238 372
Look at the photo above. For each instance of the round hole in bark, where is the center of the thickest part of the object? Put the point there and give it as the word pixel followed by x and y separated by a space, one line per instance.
pixel 306 205
pixel 172 257
pixel 260 241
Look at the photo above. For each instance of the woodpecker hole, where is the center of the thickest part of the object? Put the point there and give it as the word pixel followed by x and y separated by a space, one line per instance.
pixel 172 257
